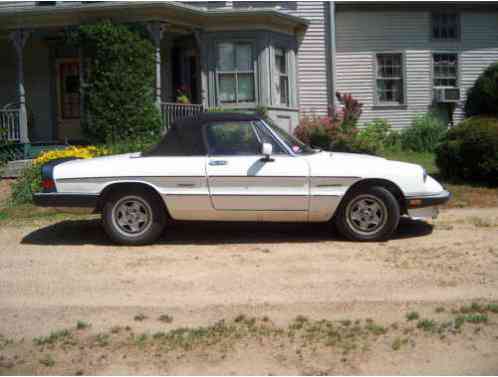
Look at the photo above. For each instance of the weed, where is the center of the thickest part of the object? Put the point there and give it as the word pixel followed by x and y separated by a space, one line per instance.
pixel 81 325
pixel 375 329
pixel 4 342
pixel 440 309
pixel 492 308
pixel 345 322
pixel 398 343
pixel 474 318
pixel 426 324
pixel 54 337
pixel 412 316
pixel 140 317
pixel 102 340
pixel 48 361
pixel 481 223
pixel 165 318
pixel 141 339
pixel 116 329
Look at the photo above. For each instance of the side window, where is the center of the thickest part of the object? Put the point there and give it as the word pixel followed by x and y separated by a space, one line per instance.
pixel 232 139
pixel 265 136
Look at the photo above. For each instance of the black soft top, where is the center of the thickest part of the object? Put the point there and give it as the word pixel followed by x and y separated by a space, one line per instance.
pixel 184 137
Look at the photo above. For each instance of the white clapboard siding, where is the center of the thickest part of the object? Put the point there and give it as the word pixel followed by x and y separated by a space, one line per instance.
pixel 10 4
pixel 361 34
pixel 312 58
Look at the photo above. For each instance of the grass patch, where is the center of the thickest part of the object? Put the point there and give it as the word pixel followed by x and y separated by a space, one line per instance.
pixel 165 318
pixel 140 317
pixel 27 213
pixel 82 325
pixel 440 309
pixel 47 360
pixel 54 337
pixel 426 324
pixel 412 316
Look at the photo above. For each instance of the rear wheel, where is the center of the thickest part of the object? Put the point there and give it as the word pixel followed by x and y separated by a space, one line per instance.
pixel 368 214
pixel 135 217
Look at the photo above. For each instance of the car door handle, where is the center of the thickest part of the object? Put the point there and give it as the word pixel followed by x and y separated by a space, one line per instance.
pixel 218 162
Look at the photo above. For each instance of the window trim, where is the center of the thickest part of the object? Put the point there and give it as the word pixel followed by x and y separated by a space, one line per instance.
pixel 431 26
pixel 458 55
pixel 286 55
pixel 254 72
pixel 393 105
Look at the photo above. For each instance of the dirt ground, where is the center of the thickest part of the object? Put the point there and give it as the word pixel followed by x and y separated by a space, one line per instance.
pixel 132 301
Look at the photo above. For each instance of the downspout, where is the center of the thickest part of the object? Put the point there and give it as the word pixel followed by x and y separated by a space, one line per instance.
pixel 332 54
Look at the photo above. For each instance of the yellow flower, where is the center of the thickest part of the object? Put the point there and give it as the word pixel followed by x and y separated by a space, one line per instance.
pixel 72 151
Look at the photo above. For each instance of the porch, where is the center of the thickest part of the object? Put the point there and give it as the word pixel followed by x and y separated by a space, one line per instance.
pixel 224 59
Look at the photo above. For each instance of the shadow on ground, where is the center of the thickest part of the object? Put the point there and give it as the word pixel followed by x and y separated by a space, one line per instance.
pixel 83 232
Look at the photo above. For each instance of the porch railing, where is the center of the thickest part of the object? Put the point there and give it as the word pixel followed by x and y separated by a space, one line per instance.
pixel 175 111
pixel 10 129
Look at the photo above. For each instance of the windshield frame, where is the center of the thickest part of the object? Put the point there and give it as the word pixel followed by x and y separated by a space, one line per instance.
pixel 279 134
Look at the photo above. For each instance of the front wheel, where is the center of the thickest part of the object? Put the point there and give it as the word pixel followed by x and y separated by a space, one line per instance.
pixel 135 217
pixel 369 214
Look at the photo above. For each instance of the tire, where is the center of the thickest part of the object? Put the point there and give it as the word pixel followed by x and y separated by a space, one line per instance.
pixel 133 217
pixel 368 214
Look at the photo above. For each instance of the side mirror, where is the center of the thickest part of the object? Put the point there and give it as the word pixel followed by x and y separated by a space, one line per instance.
pixel 266 151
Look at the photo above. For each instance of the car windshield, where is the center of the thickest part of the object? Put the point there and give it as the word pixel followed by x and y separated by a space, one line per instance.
pixel 296 145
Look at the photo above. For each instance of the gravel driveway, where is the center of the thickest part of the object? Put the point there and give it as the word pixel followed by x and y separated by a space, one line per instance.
pixel 52 275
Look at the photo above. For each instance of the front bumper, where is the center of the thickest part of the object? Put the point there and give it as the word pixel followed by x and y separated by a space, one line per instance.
pixel 431 200
pixel 58 200
pixel 425 206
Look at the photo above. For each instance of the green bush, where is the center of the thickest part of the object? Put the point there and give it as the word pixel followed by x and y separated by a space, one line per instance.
pixel 470 150
pixel 424 134
pixel 482 98
pixel 374 135
pixel 118 89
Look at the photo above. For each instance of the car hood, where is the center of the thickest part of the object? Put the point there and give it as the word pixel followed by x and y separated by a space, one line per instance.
pixel 362 166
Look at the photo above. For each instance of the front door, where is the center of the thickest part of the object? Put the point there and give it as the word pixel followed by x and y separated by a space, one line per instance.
pixel 240 179
pixel 68 100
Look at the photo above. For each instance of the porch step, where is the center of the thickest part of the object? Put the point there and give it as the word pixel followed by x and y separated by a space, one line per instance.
pixel 13 169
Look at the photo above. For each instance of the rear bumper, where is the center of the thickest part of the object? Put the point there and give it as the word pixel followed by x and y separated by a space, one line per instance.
pixel 59 200
pixel 422 201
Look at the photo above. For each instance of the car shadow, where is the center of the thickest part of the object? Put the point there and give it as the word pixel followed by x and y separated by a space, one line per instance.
pixel 90 232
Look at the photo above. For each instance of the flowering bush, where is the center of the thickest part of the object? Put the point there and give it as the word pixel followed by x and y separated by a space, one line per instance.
pixel 30 179
pixel 335 131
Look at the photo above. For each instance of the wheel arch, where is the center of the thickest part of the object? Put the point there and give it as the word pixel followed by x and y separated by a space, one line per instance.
pixel 392 187
pixel 127 186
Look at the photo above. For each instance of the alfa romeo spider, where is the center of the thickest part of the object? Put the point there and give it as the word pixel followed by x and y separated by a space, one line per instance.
pixel 238 167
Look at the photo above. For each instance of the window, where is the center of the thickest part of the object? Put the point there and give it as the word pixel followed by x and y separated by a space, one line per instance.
pixel 232 139
pixel 264 136
pixel 235 73
pixel 445 26
pixel 282 76
pixel 389 79
pixel 445 69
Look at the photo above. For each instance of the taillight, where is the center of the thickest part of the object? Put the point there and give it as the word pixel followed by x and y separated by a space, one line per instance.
pixel 48 185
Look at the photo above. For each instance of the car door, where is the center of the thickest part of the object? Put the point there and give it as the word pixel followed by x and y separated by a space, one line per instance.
pixel 240 179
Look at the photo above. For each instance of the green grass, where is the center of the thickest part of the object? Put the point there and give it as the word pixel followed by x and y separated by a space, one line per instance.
pixel 412 316
pixel 425 159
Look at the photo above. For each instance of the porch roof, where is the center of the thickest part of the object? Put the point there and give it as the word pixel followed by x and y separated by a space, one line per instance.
pixel 178 16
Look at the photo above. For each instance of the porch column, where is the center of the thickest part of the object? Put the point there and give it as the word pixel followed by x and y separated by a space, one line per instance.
pixel 202 67
pixel 156 31
pixel 18 39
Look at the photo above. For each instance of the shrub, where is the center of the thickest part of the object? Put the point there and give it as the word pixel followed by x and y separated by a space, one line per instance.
pixel 470 150
pixel 30 179
pixel 118 88
pixel 482 98
pixel 336 131
pixel 374 135
pixel 424 134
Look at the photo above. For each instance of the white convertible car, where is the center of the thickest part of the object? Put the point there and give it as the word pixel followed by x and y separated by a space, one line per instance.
pixel 237 167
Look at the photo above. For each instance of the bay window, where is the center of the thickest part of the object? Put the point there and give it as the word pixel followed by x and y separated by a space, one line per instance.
pixel 235 73
pixel 282 77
